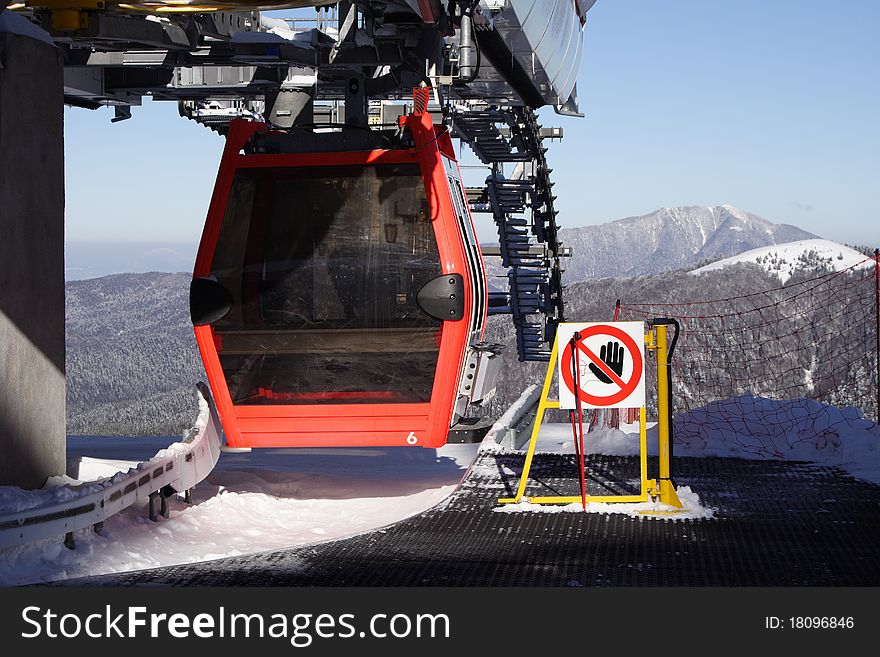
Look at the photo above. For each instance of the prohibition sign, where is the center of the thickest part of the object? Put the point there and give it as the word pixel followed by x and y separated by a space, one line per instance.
pixel 623 388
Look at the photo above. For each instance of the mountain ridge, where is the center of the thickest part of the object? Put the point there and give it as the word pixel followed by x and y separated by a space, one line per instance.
pixel 668 239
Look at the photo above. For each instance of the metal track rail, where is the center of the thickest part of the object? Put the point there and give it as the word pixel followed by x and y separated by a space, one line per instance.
pixel 522 207
pixel 173 470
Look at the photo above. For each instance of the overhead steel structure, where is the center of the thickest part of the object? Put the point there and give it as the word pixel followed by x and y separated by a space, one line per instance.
pixel 494 52
pixel 489 64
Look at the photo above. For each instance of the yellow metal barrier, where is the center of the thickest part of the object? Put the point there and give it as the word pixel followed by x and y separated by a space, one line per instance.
pixel 665 491
pixel 660 489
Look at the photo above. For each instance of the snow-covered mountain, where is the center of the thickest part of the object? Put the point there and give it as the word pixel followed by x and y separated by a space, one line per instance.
pixel 784 259
pixel 668 239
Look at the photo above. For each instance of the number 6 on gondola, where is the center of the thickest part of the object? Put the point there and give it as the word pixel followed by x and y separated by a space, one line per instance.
pixel 339 289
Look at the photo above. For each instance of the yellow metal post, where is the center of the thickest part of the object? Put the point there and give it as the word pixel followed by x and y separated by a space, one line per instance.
pixel 544 403
pixel 643 454
pixel 666 490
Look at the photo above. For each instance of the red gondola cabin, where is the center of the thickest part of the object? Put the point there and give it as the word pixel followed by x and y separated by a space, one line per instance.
pixel 339 295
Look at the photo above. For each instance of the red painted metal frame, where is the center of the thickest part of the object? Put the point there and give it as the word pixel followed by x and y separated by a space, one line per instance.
pixel 345 425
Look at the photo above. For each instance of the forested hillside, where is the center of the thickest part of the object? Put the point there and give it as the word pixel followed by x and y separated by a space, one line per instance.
pixel 132 360
pixel 813 337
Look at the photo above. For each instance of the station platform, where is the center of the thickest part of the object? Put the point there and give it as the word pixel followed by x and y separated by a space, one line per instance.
pixel 775 523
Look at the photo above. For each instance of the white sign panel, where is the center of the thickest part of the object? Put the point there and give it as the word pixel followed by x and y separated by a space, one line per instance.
pixel 603 363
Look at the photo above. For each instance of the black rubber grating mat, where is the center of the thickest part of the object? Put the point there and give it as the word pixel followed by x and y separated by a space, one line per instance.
pixel 775 524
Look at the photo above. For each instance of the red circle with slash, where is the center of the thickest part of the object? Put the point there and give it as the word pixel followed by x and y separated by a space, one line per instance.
pixel 626 387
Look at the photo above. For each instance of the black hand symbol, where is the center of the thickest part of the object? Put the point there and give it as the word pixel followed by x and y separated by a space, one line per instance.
pixel 612 355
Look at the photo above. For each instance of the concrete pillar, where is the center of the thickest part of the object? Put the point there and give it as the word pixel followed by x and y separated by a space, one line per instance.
pixel 32 392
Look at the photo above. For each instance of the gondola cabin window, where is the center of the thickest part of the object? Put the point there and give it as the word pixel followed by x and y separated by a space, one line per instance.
pixel 324 265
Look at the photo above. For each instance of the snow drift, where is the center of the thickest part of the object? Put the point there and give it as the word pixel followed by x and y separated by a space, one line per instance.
pixel 783 260
pixel 752 428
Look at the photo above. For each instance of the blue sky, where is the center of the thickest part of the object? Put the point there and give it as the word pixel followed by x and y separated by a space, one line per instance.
pixel 769 106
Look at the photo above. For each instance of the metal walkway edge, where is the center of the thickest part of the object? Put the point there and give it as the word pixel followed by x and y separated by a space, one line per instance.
pixel 776 524
pixel 174 470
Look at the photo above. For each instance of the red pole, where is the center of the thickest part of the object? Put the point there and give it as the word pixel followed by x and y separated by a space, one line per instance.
pixel 580 418
pixel 614 421
pixel 577 418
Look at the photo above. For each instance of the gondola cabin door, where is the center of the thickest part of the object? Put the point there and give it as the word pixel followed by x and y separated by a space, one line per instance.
pixel 336 293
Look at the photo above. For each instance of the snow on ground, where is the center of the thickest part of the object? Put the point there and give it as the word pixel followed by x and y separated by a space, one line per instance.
pixel 742 427
pixel 558 439
pixel 791 430
pixel 784 259
pixel 690 502
pixel 271 499
pixel 262 500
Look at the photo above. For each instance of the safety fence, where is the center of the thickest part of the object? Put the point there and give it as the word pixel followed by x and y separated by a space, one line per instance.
pixel 64 510
pixel 776 367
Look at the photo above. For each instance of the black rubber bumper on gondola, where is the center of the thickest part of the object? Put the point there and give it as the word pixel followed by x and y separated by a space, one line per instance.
pixel 469 430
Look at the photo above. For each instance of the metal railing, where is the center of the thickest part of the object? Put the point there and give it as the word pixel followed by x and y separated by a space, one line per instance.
pixel 175 469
